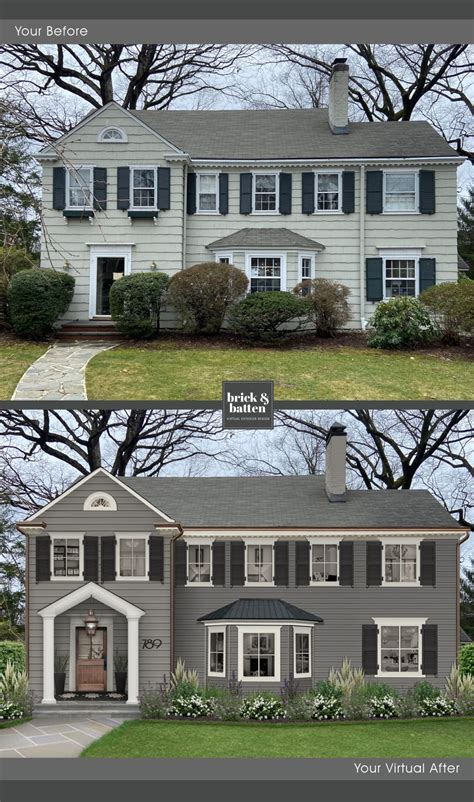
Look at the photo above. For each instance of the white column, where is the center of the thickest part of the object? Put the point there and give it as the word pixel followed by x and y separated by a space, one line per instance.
pixel 48 661
pixel 132 679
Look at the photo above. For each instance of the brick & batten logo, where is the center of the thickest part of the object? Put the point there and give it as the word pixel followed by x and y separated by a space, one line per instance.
pixel 247 405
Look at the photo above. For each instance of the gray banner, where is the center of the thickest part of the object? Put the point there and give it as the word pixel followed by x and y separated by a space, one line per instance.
pixel 55 30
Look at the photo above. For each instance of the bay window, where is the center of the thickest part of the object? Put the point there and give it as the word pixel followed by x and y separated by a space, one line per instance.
pixel 258 653
pixel 266 273
pixel 216 652
pixel 302 651
pixel 306 272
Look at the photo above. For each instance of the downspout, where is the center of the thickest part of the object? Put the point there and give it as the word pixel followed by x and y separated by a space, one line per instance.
pixel 175 537
pixel 185 184
pixel 362 247
pixel 27 604
pixel 458 593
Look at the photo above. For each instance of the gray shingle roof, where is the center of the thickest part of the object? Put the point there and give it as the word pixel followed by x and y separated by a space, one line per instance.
pixel 290 134
pixel 286 501
pixel 265 238
pixel 260 610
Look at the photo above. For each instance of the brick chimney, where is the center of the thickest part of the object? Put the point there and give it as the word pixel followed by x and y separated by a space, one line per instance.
pixel 336 463
pixel 339 97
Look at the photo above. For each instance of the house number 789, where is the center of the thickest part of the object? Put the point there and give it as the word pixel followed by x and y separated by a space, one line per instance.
pixel 151 643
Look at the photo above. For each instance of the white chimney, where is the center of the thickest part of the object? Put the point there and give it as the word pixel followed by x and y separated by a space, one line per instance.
pixel 336 463
pixel 339 97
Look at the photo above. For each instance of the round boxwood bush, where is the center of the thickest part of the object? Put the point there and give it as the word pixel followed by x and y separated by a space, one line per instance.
pixel 326 304
pixel 36 299
pixel 12 651
pixel 202 294
pixel 400 322
pixel 452 306
pixel 135 303
pixel 466 659
pixel 260 315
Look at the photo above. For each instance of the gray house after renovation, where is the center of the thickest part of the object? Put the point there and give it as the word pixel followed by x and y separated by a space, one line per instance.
pixel 285 195
pixel 253 579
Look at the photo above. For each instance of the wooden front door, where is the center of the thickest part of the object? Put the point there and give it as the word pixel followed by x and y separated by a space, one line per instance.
pixel 91 660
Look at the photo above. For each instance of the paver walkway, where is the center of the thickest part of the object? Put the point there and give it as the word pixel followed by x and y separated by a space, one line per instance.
pixel 54 736
pixel 59 375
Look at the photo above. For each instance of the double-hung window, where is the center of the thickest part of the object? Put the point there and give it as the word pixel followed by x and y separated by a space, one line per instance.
pixel 400 278
pixel 400 191
pixel 207 192
pixel 267 273
pixel 67 557
pixel 399 645
pixel 401 563
pixel 199 563
pixel 328 192
pixel 265 192
pixel 132 557
pixel 324 563
pixel 302 651
pixel 306 265
pixel 216 652
pixel 258 653
pixel 143 188
pixel 79 187
pixel 259 563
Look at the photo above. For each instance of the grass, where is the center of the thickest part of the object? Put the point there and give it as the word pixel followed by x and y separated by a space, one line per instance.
pixel 170 370
pixel 172 739
pixel 15 357
pixel 5 725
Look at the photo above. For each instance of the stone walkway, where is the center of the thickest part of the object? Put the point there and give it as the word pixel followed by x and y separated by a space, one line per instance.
pixel 53 736
pixel 59 375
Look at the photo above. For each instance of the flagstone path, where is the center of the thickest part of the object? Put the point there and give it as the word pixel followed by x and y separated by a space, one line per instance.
pixel 50 736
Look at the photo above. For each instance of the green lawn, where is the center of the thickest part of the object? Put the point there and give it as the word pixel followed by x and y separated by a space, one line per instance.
pixel 418 738
pixel 15 357
pixel 176 371
pixel 5 725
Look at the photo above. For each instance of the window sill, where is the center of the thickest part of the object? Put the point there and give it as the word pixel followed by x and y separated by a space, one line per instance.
pixel 132 579
pixel 78 214
pixel 259 585
pixel 258 679
pixel 265 214
pixel 216 676
pixel 66 579
pixel 413 211
pixel 400 674
pixel 401 585
pixel 144 214
pixel 327 211
pixel 213 212
pixel 199 585
pixel 325 585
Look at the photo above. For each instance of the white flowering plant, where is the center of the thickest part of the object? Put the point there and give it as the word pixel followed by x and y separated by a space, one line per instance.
pixel 194 706
pixel 326 708
pixel 438 706
pixel 262 708
pixel 10 711
pixel 383 707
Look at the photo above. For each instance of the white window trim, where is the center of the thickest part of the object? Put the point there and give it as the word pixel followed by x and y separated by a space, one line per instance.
pixel 323 541
pixel 399 542
pixel 259 542
pixel 264 630
pixel 100 136
pixel 416 210
pixel 302 255
pixel 386 254
pixel 93 496
pixel 132 536
pixel 199 541
pixel 153 208
pixel 249 255
pixel 339 192
pixel 210 630
pixel 399 622
pixel 124 251
pixel 303 631
pixel 71 169
pixel 68 536
pixel 256 173
pixel 198 182
pixel 224 255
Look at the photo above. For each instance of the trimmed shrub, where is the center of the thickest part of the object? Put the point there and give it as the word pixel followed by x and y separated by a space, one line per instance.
pixel 202 294
pixel 135 303
pixel 194 706
pixel 262 707
pixel 400 322
pixel 260 315
pixel 438 707
pixel 13 652
pixel 452 307
pixel 326 708
pixel 466 659
pixel 382 707
pixel 326 304
pixel 36 299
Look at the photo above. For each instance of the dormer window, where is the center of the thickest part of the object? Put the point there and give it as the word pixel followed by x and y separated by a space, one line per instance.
pixel 100 501
pixel 113 135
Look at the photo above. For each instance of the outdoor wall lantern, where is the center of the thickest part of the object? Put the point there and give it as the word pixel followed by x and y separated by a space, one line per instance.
pixel 91 623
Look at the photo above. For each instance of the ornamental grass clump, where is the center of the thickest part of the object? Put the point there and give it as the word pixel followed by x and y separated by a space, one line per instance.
pixel 184 681
pixel 459 688
pixel 194 706
pixel 262 708
pixel 14 690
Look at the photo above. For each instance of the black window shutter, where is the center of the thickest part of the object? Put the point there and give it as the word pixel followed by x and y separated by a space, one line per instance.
pixel 374 562
pixel 123 187
pixel 43 557
pixel 427 273
pixel 369 649
pixel 223 193
pixel 237 562
pixel 285 193
pixel 302 567
pixel 427 192
pixel 180 562
pixel 107 562
pixel 428 562
pixel 100 188
pixel 91 558
pixel 157 556
pixel 245 193
pixel 59 188
pixel 348 192
pixel 374 192
pixel 346 562
pixel 429 634
pixel 281 562
pixel 191 194
pixel 307 197
pixel 218 562
pixel 374 278
pixel 164 183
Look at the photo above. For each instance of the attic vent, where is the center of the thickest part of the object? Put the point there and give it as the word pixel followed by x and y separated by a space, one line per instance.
pixel 100 501
pixel 112 135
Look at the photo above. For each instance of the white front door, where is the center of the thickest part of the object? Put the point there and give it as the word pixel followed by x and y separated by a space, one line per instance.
pixel 108 264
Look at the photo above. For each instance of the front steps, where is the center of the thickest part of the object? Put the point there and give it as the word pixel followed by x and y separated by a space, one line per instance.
pixel 87 329
pixel 87 710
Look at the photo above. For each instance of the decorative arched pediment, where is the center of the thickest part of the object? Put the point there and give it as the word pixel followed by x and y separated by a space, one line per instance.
pixel 98 502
